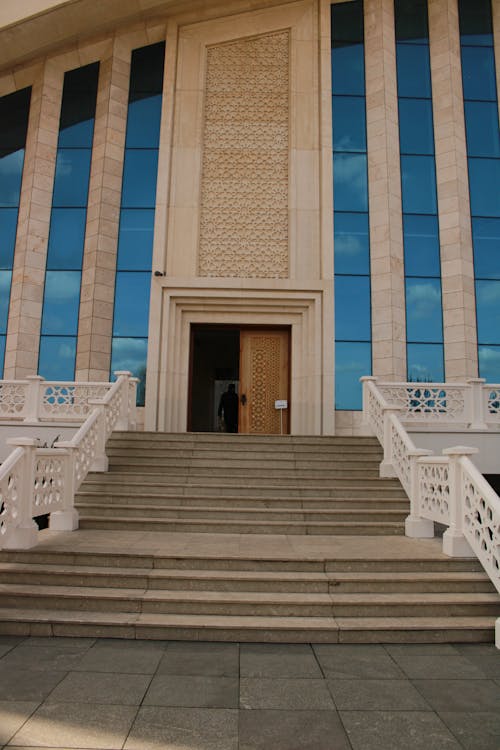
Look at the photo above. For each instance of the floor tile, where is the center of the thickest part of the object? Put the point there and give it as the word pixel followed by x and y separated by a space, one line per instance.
pixel 278 660
pixel 292 730
pixel 8 642
pixel 474 731
pixel 485 656
pixel 124 658
pixel 82 644
pixel 460 695
pixel 101 687
pixel 26 685
pixel 186 728
pixel 350 662
pixel 376 695
pixel 73 725
pixel 51 658
pixel 285 694
pixel 397 730
pixel 13 714
pixel 192 690
pixel 434 661
pixel 187 658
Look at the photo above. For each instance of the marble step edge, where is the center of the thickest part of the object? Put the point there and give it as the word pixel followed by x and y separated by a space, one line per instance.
pixel 246 501
pixel 217 510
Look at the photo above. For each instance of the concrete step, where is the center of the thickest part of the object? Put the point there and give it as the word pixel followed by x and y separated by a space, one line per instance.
pixel 230 580
pixel 246 629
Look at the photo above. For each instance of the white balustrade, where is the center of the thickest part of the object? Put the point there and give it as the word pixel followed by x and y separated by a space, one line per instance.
pixel 37 481
pixel 446 489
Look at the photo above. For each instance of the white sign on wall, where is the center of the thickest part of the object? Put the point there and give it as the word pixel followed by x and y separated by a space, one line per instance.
pixel 281 404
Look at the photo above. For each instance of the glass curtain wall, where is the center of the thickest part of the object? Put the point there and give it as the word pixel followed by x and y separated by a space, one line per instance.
pixel 424 319
pixel 135 242
pixel 483 152
pixel 61 299
pixel 14 113
pixel 350 196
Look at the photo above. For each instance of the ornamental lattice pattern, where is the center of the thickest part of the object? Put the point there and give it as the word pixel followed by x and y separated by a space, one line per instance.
pixel 265 382
pixel 244 187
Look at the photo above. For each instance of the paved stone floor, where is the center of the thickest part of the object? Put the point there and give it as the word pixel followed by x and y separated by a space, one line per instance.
pixel 153 695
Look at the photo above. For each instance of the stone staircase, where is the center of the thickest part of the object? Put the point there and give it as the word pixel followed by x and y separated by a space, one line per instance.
pixel 244 538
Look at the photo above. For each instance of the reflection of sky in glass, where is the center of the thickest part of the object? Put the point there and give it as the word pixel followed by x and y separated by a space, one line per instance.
pixel 66 238
pixel 489 363
pixel 131 304
pixel 414 76
pixel 478 73
pixel 131 354
pixel 71 180
pixel 484 180
pixel 352 246
pixel 483 136
pixel 11 171
pixel 143 123
pixel 425 363
pixel 57 357
pixel 5 279
pixel 61 302
pixel 423 310
pixel 8 228
pixel 2 354
pixel 421 242
pixel 488 311
pixel 352 308
pixel 486 236
pixel 79 134
pixel 352 360
pixel 350 188
pixel 135 241
pixel 349 128
pixel 415 126
pixel 418 181
pixel 348 69
pixel 139 178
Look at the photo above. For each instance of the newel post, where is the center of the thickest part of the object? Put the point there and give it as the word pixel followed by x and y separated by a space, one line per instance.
pixel 454 542
pixel 477 412
pixel 386 468
pixel 123 420
pixel 66 519
pixel 25 535
pixel 365 381
pixel 417 527
pixel 33 398
pixel 100 462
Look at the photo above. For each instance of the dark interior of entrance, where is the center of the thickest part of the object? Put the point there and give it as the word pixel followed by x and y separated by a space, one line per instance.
pixel 215 360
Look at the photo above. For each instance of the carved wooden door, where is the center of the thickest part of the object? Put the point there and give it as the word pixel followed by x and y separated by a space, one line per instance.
pixel 264 363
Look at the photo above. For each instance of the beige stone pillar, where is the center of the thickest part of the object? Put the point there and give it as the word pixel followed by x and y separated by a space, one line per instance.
pixel 459 312
pixel 23 333
pixel 386 233
pixel 103 216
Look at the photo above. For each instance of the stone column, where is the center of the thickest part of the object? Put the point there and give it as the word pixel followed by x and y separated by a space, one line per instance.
pixel 103 217
pixel 457 269
pixel 28 277
pixel 386 232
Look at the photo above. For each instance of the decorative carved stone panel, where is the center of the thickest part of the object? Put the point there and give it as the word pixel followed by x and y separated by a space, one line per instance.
pixel 244 187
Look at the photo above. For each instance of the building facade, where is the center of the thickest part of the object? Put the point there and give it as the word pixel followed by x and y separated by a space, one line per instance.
pixel 286 195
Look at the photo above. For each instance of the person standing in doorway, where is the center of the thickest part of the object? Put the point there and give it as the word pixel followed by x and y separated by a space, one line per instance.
pixel 228 405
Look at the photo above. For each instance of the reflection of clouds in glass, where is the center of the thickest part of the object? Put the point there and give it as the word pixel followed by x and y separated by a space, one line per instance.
pixel 348 245
pixel 490 356
pixel 129 354
pixel 5 277
pixel 423 299
pixel 351 366
pixel 12 164
pixel 64 165
pixel 351 171
pixel 62 286
pixel 420 373
pixel 488 293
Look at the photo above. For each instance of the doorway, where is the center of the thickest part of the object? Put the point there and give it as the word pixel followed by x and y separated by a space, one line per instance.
pixel 256 360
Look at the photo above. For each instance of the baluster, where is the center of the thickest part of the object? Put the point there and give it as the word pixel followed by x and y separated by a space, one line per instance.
pixel 454 542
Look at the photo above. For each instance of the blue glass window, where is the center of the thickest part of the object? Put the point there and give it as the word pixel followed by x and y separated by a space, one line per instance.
pixel 478 73
pixel 486 241
pixel 131 354
pixel 425 363
pixel 11 172
pixel 484 182
pixel 61 302
pixel 349 125
pixel 418 178
pixel 415 126
pixel 5 280
pixel 414 74
pixel 489 363
pixel 350 192
pixel 421 243
pixel 476 27
pixel 66 238
pixel 143 122
pixel 352 243
pixel 139 178
pixel 71 182
pixel 135 243
pixel 8 229
pixel 488 311
pixel 348 69
pixel 423 310
pixel 483 137
pixel 352 361
pixel 2 354
pixel 57 357
pixel 131 304
pixel 352 308
pixel 411 21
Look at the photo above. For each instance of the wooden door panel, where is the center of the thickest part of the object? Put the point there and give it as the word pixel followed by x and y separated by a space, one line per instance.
pixel 264 363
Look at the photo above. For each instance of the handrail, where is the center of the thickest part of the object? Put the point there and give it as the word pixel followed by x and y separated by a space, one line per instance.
pixel 36 481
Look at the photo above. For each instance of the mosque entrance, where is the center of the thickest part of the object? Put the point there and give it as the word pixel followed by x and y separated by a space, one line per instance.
pixel 256 360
